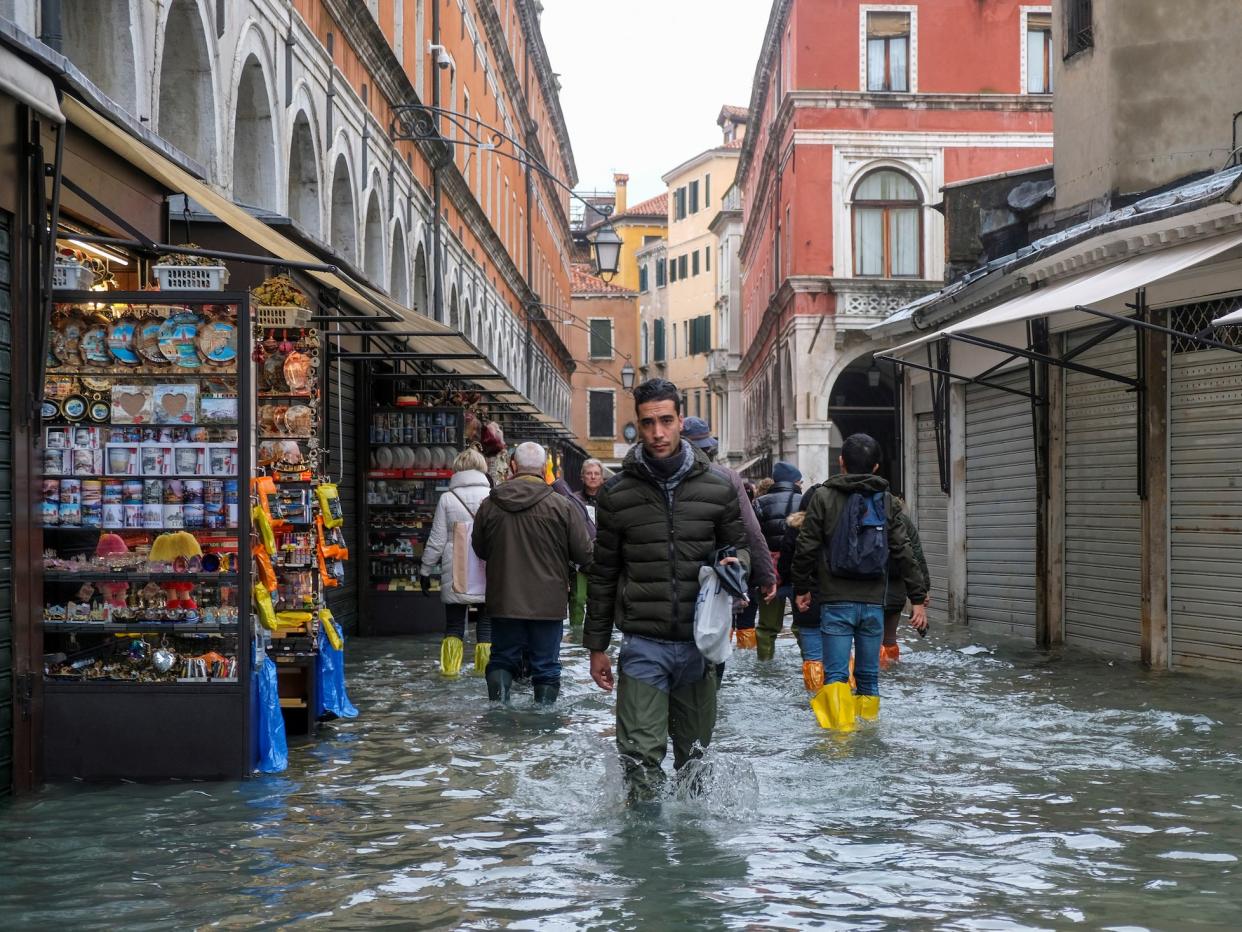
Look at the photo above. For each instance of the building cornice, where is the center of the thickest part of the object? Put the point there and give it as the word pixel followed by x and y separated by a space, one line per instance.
pixel 719 152
pixel 761 84
pixel 513 87
pixel 363 33
pixel 862 100
pixel 529 10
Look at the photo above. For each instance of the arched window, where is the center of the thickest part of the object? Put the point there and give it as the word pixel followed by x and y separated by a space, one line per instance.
pixel 421 298
pixel 98 40
pixel 254 145
pixel 187 100
pixel 344 222
pixel 888 226
pixel 373 242
pixel 304 206
pixel 399 269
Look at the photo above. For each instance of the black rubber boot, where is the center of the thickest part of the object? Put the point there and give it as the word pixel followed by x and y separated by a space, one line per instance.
pixel 498 683
pixel 546 693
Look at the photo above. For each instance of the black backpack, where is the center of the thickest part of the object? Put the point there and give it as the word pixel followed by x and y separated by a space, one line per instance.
pixel 858 548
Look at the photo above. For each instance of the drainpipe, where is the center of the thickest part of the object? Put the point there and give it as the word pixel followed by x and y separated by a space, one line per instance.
pixel 437 192
pixel 50 24
pixel 530 213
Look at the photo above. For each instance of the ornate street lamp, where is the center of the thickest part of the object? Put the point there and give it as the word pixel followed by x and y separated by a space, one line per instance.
pixel 627 377
pixel 607 244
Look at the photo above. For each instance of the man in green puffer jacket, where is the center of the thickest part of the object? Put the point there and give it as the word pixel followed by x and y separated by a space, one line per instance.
pixel 661 519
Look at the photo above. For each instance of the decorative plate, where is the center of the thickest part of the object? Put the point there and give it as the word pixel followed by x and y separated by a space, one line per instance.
pixel 67 348
pixel 422 458
pixel 122 341
pixel 148 341
pixel 217 342
pixel 267 419
pixel 297 371
pixel 384 458
pixel 73 408
pixel 94 345
pixel 299 420
pixel 99 411
pixel 177 339
pixel 49 410
pixel 273 374
pixel 269 450
pixel 96 383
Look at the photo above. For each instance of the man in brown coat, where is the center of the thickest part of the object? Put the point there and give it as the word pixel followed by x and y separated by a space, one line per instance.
pixel 531 539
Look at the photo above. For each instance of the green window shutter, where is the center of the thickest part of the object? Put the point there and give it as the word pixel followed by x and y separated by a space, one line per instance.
pixel 601 338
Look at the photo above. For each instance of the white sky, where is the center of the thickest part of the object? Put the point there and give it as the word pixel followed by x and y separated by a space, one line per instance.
pixel 643 80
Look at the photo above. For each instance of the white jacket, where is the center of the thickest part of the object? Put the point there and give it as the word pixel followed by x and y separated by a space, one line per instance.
pixel 472 488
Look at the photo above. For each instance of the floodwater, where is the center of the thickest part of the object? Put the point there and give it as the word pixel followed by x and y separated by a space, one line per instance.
pixel 1002 789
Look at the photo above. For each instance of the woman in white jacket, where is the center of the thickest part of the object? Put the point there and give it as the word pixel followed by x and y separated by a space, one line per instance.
pixel 466 492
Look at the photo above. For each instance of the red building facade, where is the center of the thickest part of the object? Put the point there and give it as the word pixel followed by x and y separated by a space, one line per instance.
pixel 860 114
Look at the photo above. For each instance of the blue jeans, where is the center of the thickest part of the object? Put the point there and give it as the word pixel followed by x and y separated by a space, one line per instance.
pixel 540 641
pixel 857 625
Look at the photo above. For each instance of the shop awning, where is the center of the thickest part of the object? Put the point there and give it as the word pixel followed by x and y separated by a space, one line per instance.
pixel 29 85
pixel 443 340
pixel 1006 322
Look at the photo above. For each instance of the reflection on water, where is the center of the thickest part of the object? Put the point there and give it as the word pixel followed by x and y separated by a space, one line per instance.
pixel 1002 789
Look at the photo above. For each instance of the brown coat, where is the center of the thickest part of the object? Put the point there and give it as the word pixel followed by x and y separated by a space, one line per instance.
pixel 531 539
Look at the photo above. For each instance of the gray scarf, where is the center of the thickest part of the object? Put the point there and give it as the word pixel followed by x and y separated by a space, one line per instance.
pixel 668 482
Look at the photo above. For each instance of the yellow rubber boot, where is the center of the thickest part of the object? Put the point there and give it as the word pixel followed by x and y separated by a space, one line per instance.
pixel 450 656
pixel 889 655
pixel 746 639
pixel 813 675
pixel 482 654
pixel 868 707
pixel 834 707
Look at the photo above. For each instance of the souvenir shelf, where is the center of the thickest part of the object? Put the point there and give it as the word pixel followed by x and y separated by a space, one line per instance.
pixel 410 450
pixel 145 449
pixel 307 545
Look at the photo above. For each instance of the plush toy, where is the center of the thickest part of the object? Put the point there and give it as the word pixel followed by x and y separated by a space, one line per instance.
pixel 110 545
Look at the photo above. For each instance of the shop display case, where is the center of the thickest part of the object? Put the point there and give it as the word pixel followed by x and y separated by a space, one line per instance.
pixel 409 450
pixel 146 457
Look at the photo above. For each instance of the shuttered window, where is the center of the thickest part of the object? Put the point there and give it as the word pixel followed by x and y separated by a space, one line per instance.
pixel 601 338
pixel 700 334
pixel 658 342
pixel 660 273
pixel 694 263
pixel 601 404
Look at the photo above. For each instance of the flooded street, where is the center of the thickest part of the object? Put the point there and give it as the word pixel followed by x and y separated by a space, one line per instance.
pixel 1001 789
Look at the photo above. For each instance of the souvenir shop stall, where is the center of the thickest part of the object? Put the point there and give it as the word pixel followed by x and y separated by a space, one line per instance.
pixel 188 535
pixel 413 423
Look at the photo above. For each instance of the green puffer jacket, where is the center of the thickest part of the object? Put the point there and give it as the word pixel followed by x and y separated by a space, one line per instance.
pixel 810 568
pixel 645 572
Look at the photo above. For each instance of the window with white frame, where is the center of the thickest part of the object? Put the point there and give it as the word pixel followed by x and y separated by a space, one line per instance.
pixel 601 413
pixel 1037 51
pixel 601 338
pixel 888 51
pixel 888 226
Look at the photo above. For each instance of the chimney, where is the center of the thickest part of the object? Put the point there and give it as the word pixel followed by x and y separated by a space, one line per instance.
pixel 621 183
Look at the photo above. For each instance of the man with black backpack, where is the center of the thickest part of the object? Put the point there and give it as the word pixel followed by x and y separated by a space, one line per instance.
pixel 851 531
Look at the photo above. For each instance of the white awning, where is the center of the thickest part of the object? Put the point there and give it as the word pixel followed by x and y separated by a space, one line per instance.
pixel 1086 289
pixel 27 84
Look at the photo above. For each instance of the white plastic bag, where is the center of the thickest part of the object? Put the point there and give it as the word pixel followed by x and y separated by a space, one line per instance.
pixel 713 618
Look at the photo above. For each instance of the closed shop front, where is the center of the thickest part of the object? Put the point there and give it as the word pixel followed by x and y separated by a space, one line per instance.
pixel 1103 518
pixel 932 517
pixel 6 506
pixel 1205 500
pixel 1000 508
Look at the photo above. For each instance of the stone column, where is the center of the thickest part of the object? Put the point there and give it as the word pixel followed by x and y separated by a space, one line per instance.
pixel 814 441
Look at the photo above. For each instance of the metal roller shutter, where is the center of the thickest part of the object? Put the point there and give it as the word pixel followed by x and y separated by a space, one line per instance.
pixel 343 600
pixel 1205 503
pixel 932 518
pixel 1103 514
pixel 6 511
pixel 1000 509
